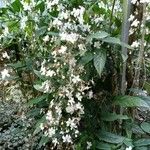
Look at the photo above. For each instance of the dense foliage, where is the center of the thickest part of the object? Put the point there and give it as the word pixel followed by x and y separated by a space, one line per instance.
pixel 79 71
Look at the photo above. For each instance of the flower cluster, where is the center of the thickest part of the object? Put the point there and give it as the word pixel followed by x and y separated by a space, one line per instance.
pixel 65 109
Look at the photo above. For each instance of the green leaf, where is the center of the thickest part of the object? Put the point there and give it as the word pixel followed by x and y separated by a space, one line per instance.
pixel 110 137
pixel 37 100
pixel 38 73
pixel 17 65
pixel 128 142
pixel 142 142
pixel 130 101
pixel 103 146
pixel 52 33
pixel 16 5
pixel 113 117
pixel 41 31
pixel 34 112
pixel 88 56
pixel 137 130
pixel 147 87
pixel 145 126
pixel 38 87
pixel 43 141
pixel 40 6
pixel 146 99
pixel 124 57
pixel 99 61
pixel 37 126
pixel 97 35
pixel 141 148
pixel 113 40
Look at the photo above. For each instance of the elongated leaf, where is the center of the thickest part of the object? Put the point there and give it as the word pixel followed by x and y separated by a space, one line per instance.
pixel 137 130
pixel 41 31
pixel 39 74
pixel 103 146
pixel 145 126
pixel 128 142
pixel 142 142
pixel 17 65
pixel 52 33
pixel 146 99
pixel 113 117
pixel 88 56
pixel 113 40
pixel 99 61
pixel 38 87
pixel 141 148
pixel 37 126
pixel 110 137
pixel 43 141
pixel 130 101
pixel 97 35
pixel 37 100
pixel 34 112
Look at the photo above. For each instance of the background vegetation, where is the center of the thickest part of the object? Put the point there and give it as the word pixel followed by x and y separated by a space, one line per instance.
pixel 75 74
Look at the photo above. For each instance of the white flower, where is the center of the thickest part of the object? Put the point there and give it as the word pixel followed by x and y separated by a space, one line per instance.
pixel 89 144
pixel 135 44
pixel 26 6
pixel 99 19
pixel 101 4
pixel 97 44
pixel 5 55
pixel 71 100
pixel 55 141
pixel 72 62
pixel 51 132
pixel 41 126
pixel 6 31
pixel 50 73
pixel 67 138
pixel 78 13
pixel 57 22
pixel 43 70
pixel 46 38
pixel 76 79
pixel 70 109
pixel 131 31
pixel 79 96
pixel 5 74
pixel 135 23
pixel 129 148
pixel 90 94
pixel 73 37
pixel 144 1
pixel 45 86
pixel 78 106
pixel 49 117
pixel 70 123
pixel 62 50
pixel 54 2
pixel 23 22
pixel 133 1
pixel 51 3
pixel 131 18
pixel 64 15
pixel 81 46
